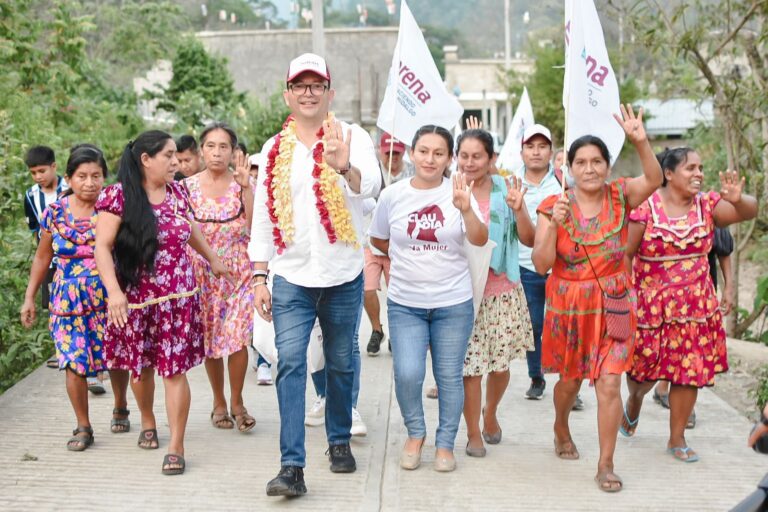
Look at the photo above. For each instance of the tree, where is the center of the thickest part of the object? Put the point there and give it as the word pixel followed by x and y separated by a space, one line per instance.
pixel 726 43
pixel 201 81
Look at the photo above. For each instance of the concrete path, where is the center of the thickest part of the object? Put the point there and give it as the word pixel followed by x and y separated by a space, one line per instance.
pixel 228 471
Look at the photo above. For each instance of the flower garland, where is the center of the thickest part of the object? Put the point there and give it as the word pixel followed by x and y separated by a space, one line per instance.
pixel 329 199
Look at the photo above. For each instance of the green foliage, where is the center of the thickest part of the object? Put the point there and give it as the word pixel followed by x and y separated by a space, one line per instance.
pixel 760 393
pixel 260 121
pixel 201 88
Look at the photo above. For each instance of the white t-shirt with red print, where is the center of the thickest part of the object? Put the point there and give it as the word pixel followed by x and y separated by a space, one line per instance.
pixel 427 237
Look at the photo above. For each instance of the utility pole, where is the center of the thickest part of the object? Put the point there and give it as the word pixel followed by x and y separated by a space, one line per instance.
pixel 318 38
pixel 507 64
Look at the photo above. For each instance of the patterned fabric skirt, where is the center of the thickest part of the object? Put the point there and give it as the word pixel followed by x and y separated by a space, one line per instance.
pixel 502 332
pixel 683 353
pixel 78 340
pixel 167 336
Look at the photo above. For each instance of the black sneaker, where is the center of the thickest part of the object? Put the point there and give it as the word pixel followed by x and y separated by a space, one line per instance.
pixel 374 344
pixel 341 458
pixel 288 482
pixel 578 404
pixel 536 391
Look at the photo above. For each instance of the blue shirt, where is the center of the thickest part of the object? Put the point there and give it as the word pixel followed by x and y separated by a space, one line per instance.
pixel 548 186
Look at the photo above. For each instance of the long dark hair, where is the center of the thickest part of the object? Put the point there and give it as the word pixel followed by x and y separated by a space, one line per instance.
pixel 437 130
pixel 136 241
pixel 83 154
pixel 669 159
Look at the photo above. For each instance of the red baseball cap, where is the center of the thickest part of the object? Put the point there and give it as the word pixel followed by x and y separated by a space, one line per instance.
pixel 308 63
pixel 387 140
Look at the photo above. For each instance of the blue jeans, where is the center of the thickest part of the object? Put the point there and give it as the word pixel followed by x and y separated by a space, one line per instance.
pixel 446 332
pixel 318 378
pixel 294 309
pixel 534 285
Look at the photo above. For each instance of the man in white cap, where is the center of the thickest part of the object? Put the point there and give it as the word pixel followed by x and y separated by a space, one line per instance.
pixel 540 180
pixel 307 225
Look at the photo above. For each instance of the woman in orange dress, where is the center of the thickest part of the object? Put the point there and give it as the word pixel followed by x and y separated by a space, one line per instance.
pixel 582 236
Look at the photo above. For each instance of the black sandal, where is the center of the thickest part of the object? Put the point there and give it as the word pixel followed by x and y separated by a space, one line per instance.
pixel 148 436
pixel 120 425
pixel 79 443
pixel 176 460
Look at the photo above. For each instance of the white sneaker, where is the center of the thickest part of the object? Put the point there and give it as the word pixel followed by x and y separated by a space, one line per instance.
pixel 264 375
pixel 358 426
pixel 316 416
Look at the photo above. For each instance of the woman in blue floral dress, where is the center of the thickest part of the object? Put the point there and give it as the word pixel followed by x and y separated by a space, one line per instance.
pixel 77 307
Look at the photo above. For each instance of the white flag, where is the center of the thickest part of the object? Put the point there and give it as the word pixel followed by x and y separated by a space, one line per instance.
pixel 510 158
pixel 590 90
pixel 415 93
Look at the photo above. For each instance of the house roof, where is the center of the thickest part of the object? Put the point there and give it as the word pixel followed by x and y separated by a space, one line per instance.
pixel 676 117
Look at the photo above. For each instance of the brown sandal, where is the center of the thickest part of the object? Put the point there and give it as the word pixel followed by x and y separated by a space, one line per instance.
pixel 222 420
pixel 79 443
pixel 606 481
pixel 244 421
pixel 148 439
pixel 566 450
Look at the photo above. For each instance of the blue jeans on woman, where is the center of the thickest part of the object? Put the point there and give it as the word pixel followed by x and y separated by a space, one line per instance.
pixel 318 378
pixel 294 309
pixel 534 286
pixel 445 331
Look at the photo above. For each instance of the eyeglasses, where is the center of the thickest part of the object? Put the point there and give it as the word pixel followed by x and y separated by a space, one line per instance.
pixel 314 89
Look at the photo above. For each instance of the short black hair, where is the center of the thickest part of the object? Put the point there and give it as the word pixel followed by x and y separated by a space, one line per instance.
pixel 186 142
pixel 40 155
pixel 243 147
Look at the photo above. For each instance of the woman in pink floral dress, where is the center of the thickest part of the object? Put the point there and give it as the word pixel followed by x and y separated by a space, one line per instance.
pixel 153 308
pixel 222 204
pixel 680 330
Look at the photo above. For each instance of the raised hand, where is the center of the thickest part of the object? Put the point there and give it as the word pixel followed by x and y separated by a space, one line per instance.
pixel 474 123
pixel 242 169
pixel 335 144
pixel 731 186
pixel 461 192
pixel 515 193
pixel 632 125
pixel 561 210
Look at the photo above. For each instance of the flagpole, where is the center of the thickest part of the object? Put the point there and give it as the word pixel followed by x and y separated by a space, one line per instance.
pixel 394 101
pixel 567 107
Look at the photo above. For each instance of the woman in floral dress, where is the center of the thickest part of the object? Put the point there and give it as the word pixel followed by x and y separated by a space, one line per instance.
pixel 222 204
pixel 78 309
pixel 502 330
pixel 681 335
pixel 153 308
pixel 581 235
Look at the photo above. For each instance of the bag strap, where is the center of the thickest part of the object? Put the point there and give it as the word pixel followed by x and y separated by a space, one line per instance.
pixel 586 253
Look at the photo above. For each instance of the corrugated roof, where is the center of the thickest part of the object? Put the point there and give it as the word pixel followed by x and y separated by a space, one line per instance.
pixel 676 117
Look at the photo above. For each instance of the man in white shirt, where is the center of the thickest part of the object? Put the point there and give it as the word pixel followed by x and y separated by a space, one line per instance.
pixel 308 226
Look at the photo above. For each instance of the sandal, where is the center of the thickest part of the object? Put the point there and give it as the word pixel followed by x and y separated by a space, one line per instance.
pixel 78 443
pixel 53 362
pixel 683 450
pixel 662 400
pixel 120 425
pixel 566 450
pixel 632 425
pixel 432 392
pixel 173 460
pixel 222 420
pixel 691 423
pixel 244 421
pixel 148 439
pixel 607 481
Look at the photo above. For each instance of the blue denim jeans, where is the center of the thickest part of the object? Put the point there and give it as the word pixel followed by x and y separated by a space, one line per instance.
pixel 318 378
pixel 294 309
pixel 534 285
pixel 446 332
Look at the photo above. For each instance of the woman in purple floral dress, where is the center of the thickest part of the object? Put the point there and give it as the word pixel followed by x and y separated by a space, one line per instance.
pixel 78 310
pixel 153 306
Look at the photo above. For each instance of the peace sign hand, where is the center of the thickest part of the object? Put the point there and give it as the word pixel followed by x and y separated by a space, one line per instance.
pixel 335 146
pixel 461 192
pixel 515 193
pixel 731 186
pixel 632 125
pixel 242 170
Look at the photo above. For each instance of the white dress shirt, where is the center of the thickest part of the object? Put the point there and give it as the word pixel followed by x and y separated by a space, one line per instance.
pixel 310 260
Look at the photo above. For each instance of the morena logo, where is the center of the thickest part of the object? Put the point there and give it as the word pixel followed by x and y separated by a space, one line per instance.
pixel 423 224
pixel 413 84
pixel 595 72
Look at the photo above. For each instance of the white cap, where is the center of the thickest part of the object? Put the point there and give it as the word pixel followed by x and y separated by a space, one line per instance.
pixel 308 63
pixel 254 159
pixel 537 129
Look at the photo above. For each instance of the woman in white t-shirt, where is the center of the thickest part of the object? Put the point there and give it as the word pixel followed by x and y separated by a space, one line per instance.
pixel 424 223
